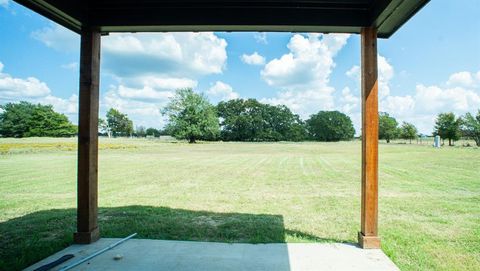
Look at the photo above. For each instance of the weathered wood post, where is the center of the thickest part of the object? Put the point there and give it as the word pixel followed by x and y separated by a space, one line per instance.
pixel 87 191
pixel 368 237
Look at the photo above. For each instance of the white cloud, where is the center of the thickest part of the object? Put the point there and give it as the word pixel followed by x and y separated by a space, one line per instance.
pixel 33 90
pixel 168 54
pixel 422 108
pixel 430 100
pixel 253 59
pixel 58 38
pixel 464 78
pixel 222 91
pixel 303 74
pixel 309 62
pixel 434 99
pixel 260 37
pixel 14 88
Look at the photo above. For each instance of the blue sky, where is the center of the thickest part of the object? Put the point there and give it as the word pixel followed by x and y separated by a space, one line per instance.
pixel 431 65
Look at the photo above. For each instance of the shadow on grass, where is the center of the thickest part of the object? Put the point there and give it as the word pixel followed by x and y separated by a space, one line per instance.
pixel 30 238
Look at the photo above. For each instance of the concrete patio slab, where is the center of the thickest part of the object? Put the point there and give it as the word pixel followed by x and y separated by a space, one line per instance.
pixel 142 254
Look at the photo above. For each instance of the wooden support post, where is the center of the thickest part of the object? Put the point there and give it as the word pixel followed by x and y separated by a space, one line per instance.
pixel 87 191
pixel 368 237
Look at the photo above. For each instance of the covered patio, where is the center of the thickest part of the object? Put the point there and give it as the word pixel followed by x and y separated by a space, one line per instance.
pixel 144 254
pixel 371 19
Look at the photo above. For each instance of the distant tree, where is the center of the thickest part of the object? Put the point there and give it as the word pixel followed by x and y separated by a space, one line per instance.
pixel 251 120
pixel 447 126
pixel 140 131
pixel 25 119
pixel 191 116
pixel 152 132
pixel 103 127
pixel 408 131
pixel 387 127
pixel 118 123
pixel 330 126
pixel 471 127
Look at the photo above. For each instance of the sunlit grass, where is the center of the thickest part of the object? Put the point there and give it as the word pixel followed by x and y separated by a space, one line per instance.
pixel 245 192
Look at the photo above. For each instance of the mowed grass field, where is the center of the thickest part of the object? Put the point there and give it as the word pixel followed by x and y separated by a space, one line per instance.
pixel 429 204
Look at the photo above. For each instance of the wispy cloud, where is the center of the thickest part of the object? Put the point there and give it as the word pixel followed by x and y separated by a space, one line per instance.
pixel 253 59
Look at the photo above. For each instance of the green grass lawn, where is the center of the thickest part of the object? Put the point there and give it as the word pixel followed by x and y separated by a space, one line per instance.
pixel 429 216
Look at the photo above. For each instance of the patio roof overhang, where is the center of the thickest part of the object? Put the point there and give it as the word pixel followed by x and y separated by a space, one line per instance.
pixel 340 16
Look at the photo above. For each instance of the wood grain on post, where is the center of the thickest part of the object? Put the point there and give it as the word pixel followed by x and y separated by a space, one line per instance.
pixel 87 198
pixel 368 237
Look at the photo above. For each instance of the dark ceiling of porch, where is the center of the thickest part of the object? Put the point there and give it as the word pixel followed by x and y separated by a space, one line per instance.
pixel 343 16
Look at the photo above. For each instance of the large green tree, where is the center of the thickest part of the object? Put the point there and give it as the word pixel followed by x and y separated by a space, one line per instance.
pixel 447 126
pixel 471 127
pixel 251 120
pixel 191 116
pixel 387 127
pixel 330 126
pixel 408 131
pixel 25 119
pixel 118 123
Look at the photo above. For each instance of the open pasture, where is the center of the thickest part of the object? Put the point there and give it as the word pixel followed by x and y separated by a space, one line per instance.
pixel 429 199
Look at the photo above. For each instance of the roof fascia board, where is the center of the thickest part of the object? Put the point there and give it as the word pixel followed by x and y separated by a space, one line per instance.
pixel 51 12
pixel 396 14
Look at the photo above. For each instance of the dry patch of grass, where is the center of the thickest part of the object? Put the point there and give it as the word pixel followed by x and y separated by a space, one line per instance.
pixel 12 148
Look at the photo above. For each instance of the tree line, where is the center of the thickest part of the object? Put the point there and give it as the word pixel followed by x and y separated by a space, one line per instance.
pixel 447 126
pixel 192 117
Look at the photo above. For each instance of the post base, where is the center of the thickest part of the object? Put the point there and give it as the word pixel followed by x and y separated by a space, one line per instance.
pixel 368 242
pixel 86 237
